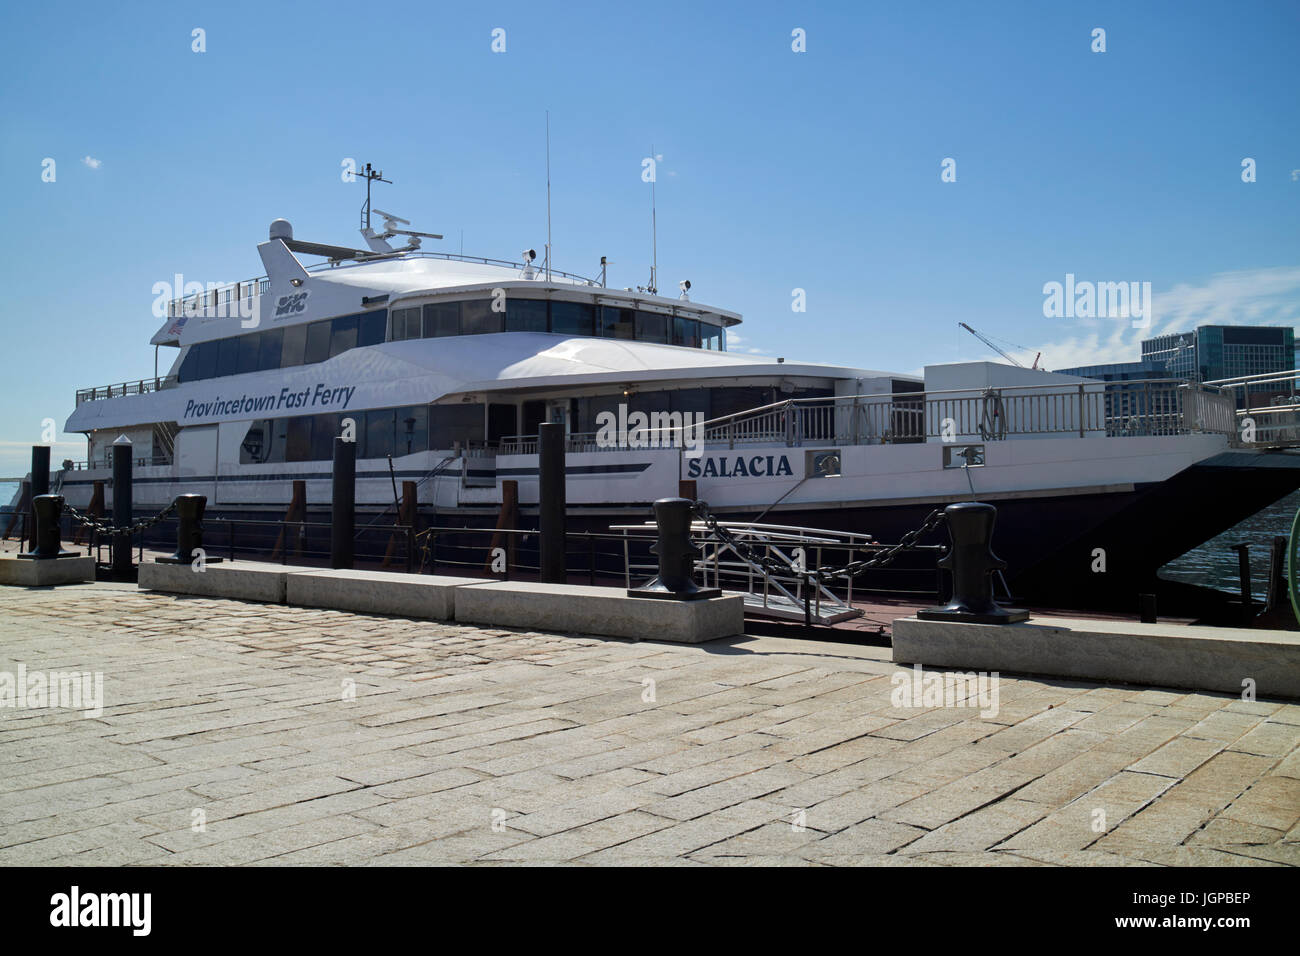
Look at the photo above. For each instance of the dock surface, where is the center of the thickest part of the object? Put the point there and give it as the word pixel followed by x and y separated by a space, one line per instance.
pixel 240 733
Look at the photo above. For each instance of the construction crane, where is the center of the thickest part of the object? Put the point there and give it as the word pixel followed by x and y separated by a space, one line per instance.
pixel 985 339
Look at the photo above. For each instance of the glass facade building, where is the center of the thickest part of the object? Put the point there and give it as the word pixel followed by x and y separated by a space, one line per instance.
pixel 1208 353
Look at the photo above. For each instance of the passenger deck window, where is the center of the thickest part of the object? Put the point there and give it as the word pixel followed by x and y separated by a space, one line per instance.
pixel 477 317
pixel 268 354
pixel 371 327
pixel 652 327
pixel 686 332
pixel 318 343
pixel 573 318
pixel 412 430
pixel 405 324
pixel 343 334
pixel 249 352
pixel 440 319
pixel 324 428
pixel 294 349
pixel 255 449
pixel 449 424
pixel 380 433
pixel 298 441
pixel 616 323
pixel 526 315
pixel 227 356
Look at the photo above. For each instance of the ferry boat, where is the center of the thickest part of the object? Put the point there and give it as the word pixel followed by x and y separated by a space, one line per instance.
pixel 443 365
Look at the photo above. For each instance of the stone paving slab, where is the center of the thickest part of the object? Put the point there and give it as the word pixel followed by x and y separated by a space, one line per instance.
pixel 233 733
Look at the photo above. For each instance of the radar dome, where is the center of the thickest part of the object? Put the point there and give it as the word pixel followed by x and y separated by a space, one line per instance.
pixel 281 229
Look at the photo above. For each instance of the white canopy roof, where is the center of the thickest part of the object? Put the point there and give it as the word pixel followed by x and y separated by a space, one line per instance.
pixel 418 371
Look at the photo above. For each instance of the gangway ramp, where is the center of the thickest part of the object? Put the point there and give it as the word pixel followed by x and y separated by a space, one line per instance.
pixel 766 593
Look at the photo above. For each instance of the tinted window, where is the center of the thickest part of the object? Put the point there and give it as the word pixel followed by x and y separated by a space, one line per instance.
pixel 380 433
pixel 729 401
pixel 526 315
pixel 318 343
pixel 255 449
pixel 441 318
pixel 298 442
pixel 189 367
pixel 228 356
pixel 370 329
pixel 343 334
pixel 412 430
pixel 617 323
pixel 651 327
pixel 710 337
pixel 249 350
pixel 268 355
pixel 279 439
pixel 449 424
pixel 573 318
pixel 207 361
pixel 294 347
pixel 405 324
pixel 323 430
pixel 686 332
pixel 477 317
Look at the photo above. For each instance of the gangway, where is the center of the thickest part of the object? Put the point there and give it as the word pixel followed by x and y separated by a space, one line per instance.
pixel 789 597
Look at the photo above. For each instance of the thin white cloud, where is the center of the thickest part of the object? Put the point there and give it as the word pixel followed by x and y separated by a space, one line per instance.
pixel 1246 297
pixel 92 162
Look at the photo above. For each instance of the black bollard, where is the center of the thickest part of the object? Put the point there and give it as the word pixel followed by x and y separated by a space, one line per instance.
pixel 972 563
pixel 1147 609
pixel 343 507
pixel 49 514
pixel 552 502
pixel 123 569
pixel 676 580
pixel 40 486
pixel 189 530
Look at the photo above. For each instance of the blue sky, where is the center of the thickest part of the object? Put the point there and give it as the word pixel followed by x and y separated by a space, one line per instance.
pixel 781 170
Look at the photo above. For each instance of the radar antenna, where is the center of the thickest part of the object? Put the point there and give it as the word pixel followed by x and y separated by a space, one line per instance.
pixel 371 175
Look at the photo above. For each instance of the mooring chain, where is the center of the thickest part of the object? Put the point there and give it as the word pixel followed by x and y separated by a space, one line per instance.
pixel 775 566
pixel 906 543
pixel 104 528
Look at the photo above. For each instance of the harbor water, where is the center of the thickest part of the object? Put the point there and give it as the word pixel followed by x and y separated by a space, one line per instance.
pixel 1214 564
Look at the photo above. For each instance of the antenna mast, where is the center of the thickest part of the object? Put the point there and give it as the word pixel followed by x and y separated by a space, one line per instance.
pixel 654 228
pixel 371 175
pixel 548 195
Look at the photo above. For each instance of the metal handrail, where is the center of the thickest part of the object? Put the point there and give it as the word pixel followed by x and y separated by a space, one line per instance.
pixel 1120 409
pixel 255 287
pixel 141 387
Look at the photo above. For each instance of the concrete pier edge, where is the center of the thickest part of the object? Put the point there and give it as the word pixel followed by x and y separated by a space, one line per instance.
pixel 568 608
pixel 1233 660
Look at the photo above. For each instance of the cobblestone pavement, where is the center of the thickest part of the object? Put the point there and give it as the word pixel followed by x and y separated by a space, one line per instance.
pixel 239 733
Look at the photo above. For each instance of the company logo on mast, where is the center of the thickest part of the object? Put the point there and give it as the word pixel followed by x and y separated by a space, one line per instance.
pixel 291 304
